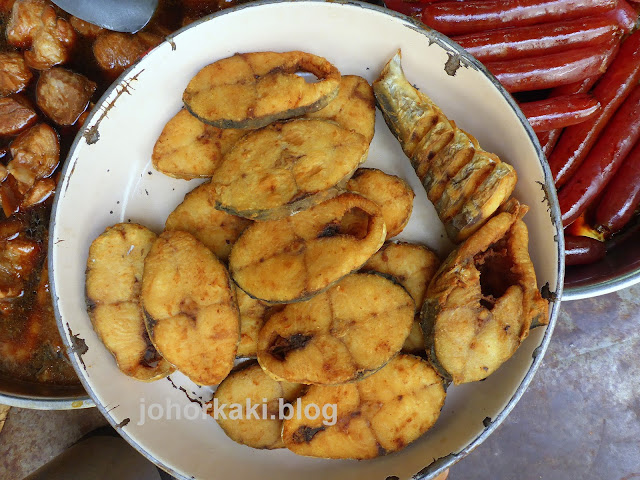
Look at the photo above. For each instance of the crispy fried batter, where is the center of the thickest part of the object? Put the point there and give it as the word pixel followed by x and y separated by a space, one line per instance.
pixel 114 275
pixel 340 335
pixel 413 266
pixel 483 299
pixel 354 108
pixel 250 384
pixel 251 90
pixel 465 183
pixel 252 317
pixel 188 148
pixel 392 194
pixel 306 253
pixel 381 414
pixel 286 167
pixel 215 229
pixel 192 316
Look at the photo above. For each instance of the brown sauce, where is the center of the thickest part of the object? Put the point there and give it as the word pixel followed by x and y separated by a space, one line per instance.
pixel 30 346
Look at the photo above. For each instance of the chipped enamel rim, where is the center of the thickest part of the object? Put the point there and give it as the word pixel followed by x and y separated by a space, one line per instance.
pixel 434 467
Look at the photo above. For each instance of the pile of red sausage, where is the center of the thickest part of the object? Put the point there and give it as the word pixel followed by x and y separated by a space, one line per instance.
pixel 574 65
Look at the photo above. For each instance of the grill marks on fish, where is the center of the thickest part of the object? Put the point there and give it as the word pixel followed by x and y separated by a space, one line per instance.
pixel 455 172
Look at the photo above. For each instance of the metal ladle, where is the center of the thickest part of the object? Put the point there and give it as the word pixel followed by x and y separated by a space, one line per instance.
pixel 117 15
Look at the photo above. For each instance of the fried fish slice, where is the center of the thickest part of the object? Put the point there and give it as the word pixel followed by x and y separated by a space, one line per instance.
pixel 483 300
pixel 413 266
pixel 286 167
pixel 252 317
pixel 188 148
pixel 297 257
pixel 113 278
pixel 392 194
pixel 465 183
pixel 250 386
pixel 251 90
pixel 354 108
pixel 378 415
pixel 341 335
pixel 191 313
pixel 197 215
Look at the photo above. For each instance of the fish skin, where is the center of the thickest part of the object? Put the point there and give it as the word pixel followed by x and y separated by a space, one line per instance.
pixel 465 183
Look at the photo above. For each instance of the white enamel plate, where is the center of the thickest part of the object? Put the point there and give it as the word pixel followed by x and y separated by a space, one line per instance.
pixel 109 178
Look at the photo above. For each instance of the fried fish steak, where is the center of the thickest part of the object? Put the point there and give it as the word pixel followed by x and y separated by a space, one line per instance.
pixel 299 256
pixel 482 301
pixel 250 385
pixel 354 108
pixel 287 167
pixel 197 215
pixel 251 90
pixel 378 415
pixel 465 183
pixel 341 335
pixel 413 266
pixel 188 148
pixel 113 279
pixel 252 317
pixel 191 313
pixel 392 194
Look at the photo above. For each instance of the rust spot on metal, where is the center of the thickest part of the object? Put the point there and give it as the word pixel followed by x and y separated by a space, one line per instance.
pixel 78 346
pixel 123 423
pixel 92 135
pixel 453 64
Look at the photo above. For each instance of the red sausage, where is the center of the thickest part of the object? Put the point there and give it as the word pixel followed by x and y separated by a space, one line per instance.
pixel 614 86
pixel 510 43
pixel 547 71
pixel 582 250
pixel 624 15
pixel 604 159
pixel 559 112
pixel 622 196
pixel 457 18
pixel 583 86
pixel 552 138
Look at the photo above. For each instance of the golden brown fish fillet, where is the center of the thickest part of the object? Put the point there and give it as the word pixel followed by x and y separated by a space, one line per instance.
pixel 482 301
pixel 250 384
pixel 465 183
pixel 340 335
pixel 354 108
pixel 393 195
pixel 251 90
pixel 413 266
pixel 287 167
pixel 114 276
pixel 378 415
pixel 198 215
pixel 252 317
pixel 299 256
pixel 191 313
pixel 188 148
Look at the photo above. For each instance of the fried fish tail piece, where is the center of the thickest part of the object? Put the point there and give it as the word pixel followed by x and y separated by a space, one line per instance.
pixel 114 274
pixel 251 90
pixel 191 313
pixel 378 415
pixel 483 300
pixel 465 183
